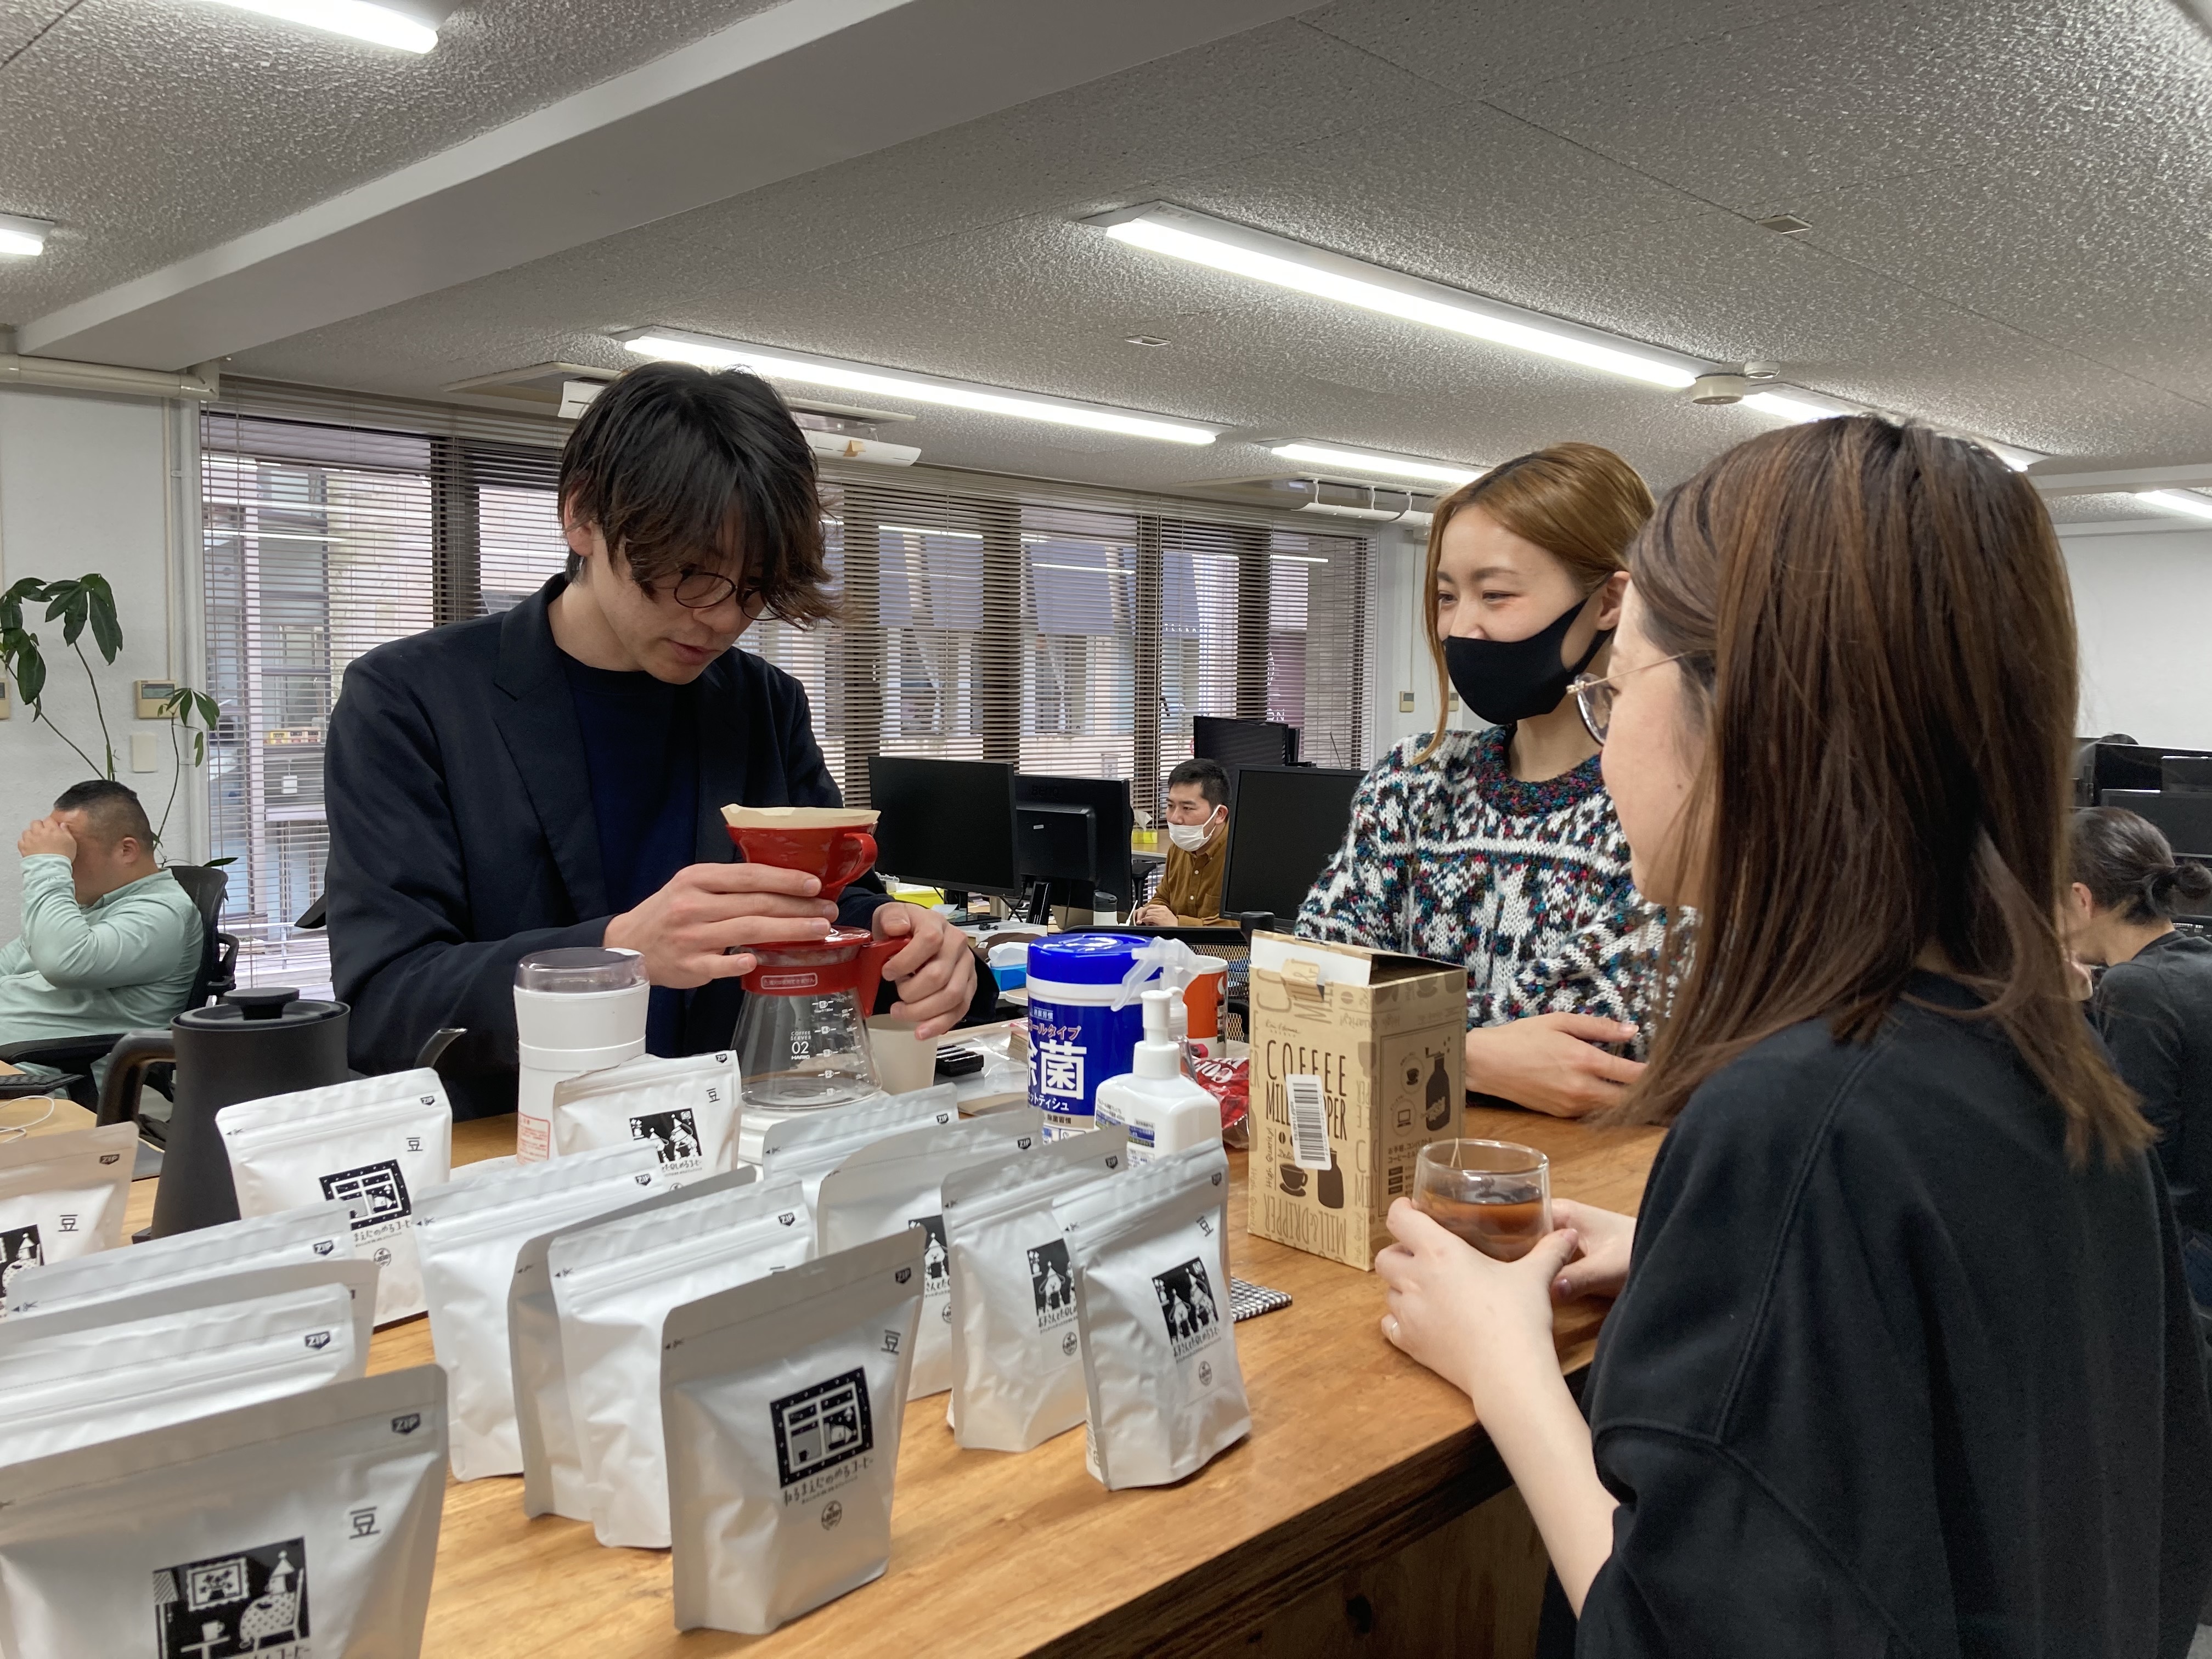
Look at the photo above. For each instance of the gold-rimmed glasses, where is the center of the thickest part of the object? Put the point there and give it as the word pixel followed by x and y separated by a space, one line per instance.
pixel 1593 694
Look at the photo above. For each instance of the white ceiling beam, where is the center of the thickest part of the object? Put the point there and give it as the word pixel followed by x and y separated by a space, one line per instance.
pixel 2115 480
pixel 788 91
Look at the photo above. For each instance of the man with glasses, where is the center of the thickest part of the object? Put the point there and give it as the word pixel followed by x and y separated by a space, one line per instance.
pixel 554 776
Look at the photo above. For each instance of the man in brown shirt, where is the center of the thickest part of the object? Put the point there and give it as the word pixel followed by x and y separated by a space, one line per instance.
pixel 1197 818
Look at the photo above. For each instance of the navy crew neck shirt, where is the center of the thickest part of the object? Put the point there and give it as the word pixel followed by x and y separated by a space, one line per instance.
pixel 641 753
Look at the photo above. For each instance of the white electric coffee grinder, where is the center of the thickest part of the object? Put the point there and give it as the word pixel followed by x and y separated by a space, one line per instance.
pixel 577 1010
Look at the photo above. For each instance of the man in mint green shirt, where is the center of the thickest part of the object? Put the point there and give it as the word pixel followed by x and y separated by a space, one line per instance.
pixel 110 941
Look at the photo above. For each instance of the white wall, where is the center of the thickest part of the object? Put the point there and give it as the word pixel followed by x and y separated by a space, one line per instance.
pixel 1397 650
pixel 2142 601
pixel 107 484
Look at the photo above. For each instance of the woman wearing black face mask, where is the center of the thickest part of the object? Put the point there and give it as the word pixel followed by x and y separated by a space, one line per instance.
pixel 1499 847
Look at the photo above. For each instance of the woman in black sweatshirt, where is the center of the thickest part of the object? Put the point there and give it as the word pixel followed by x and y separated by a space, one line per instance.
pixel 2154 1003
pixel 1902 1361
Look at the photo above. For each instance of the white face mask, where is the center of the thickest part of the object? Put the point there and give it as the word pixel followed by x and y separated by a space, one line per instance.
pixel 1192 836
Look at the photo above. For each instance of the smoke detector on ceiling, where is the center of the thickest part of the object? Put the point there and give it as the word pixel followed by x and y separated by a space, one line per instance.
pixel 1720 389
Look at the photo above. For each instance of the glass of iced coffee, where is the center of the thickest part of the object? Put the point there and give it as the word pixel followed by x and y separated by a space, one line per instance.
pixel 1494 1194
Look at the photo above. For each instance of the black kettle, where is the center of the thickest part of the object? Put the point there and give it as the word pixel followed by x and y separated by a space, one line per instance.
pixel 258 1041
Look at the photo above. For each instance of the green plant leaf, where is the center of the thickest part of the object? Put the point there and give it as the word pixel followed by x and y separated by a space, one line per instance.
pixel 218 864
pixel 179 698
pixel 209 711
pixel 107 627
pixel 30 670
pixel 67 601
pixel 200 748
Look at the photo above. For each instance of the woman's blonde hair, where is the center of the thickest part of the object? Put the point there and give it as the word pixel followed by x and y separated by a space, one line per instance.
pixel 1580 503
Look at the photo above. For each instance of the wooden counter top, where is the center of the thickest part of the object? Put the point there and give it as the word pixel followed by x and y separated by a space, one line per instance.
pixel 1355 1451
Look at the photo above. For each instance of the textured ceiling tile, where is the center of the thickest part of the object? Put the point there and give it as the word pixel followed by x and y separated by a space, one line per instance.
pixel 2031 273
pixel 152 129
pixel 1481 48
pixel 21 21
pixel 1846 95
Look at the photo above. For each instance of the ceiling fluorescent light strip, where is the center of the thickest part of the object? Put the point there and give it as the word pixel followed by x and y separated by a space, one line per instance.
pixel 23 236
pixel 1367 460
pixel 1240 251
pixel 1796 407
pixel 1795 411
pixel 2176 501
pixel 709 352
pixel 382 25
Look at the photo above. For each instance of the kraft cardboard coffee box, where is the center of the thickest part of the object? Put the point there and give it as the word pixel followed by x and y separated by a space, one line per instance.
pixel 1358 1062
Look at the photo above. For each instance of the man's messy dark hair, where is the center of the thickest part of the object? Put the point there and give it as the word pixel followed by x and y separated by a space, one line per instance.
pixel 683 469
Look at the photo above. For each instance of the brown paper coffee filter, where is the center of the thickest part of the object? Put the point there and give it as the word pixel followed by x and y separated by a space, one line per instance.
pixel 799 818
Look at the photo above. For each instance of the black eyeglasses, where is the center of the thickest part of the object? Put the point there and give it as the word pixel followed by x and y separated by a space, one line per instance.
pixel 703 590
pixel 1594 696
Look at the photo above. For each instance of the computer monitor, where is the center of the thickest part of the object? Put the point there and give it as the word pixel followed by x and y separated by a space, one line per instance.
pixel 2185 775
pixel 2129 766
pixel 945 823
pixel 1284 824
pixel 1243 743
pixel 1109 801
pixel 1056 855
pixel 2185 821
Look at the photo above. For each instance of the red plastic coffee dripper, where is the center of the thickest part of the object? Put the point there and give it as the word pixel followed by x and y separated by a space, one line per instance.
pixel 833 856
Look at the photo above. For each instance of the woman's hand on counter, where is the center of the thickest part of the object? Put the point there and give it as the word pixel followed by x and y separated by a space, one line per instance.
pixel 1551 1063
pixel 1474 1321
pixel 1607 1237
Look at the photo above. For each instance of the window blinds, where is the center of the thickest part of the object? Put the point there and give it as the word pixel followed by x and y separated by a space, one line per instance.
pixel 1067 629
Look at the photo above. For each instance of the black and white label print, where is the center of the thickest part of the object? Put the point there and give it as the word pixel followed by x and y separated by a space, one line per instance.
pixel 674 1134
pixel 377 1192
pixel 936 1274
pixel 820 1431
pixel 1052 1285
pixel 1187 1306
pixel 253 1600
pixel 19 1248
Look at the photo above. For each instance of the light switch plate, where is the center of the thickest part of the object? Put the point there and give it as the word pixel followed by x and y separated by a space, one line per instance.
pixel 144 755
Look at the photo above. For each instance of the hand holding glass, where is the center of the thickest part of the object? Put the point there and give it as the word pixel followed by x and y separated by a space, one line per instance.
pixel 1494 1194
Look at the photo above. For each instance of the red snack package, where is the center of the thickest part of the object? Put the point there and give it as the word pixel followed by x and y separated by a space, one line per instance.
pixel 1229 1082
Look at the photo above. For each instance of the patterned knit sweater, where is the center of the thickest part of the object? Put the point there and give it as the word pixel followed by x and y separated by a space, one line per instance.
pixel 1456 859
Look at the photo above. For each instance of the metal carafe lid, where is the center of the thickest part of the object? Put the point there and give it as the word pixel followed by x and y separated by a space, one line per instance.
pixel 258 1009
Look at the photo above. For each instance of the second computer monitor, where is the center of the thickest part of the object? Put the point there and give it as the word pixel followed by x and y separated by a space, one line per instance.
pixel 1243 743
pixel 1284 824
pixel 1109 801
pixel 945 823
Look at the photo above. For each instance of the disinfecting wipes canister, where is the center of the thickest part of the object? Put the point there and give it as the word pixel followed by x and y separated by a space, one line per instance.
pixel 1077 1037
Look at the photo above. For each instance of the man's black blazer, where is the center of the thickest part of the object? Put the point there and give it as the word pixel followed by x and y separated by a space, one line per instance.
pixel 462 836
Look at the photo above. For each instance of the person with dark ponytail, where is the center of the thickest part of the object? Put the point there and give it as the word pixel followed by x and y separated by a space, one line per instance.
pixel 2154 1004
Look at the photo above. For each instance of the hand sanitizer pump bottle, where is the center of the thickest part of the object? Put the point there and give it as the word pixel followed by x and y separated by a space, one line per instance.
pixel 1162 1110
